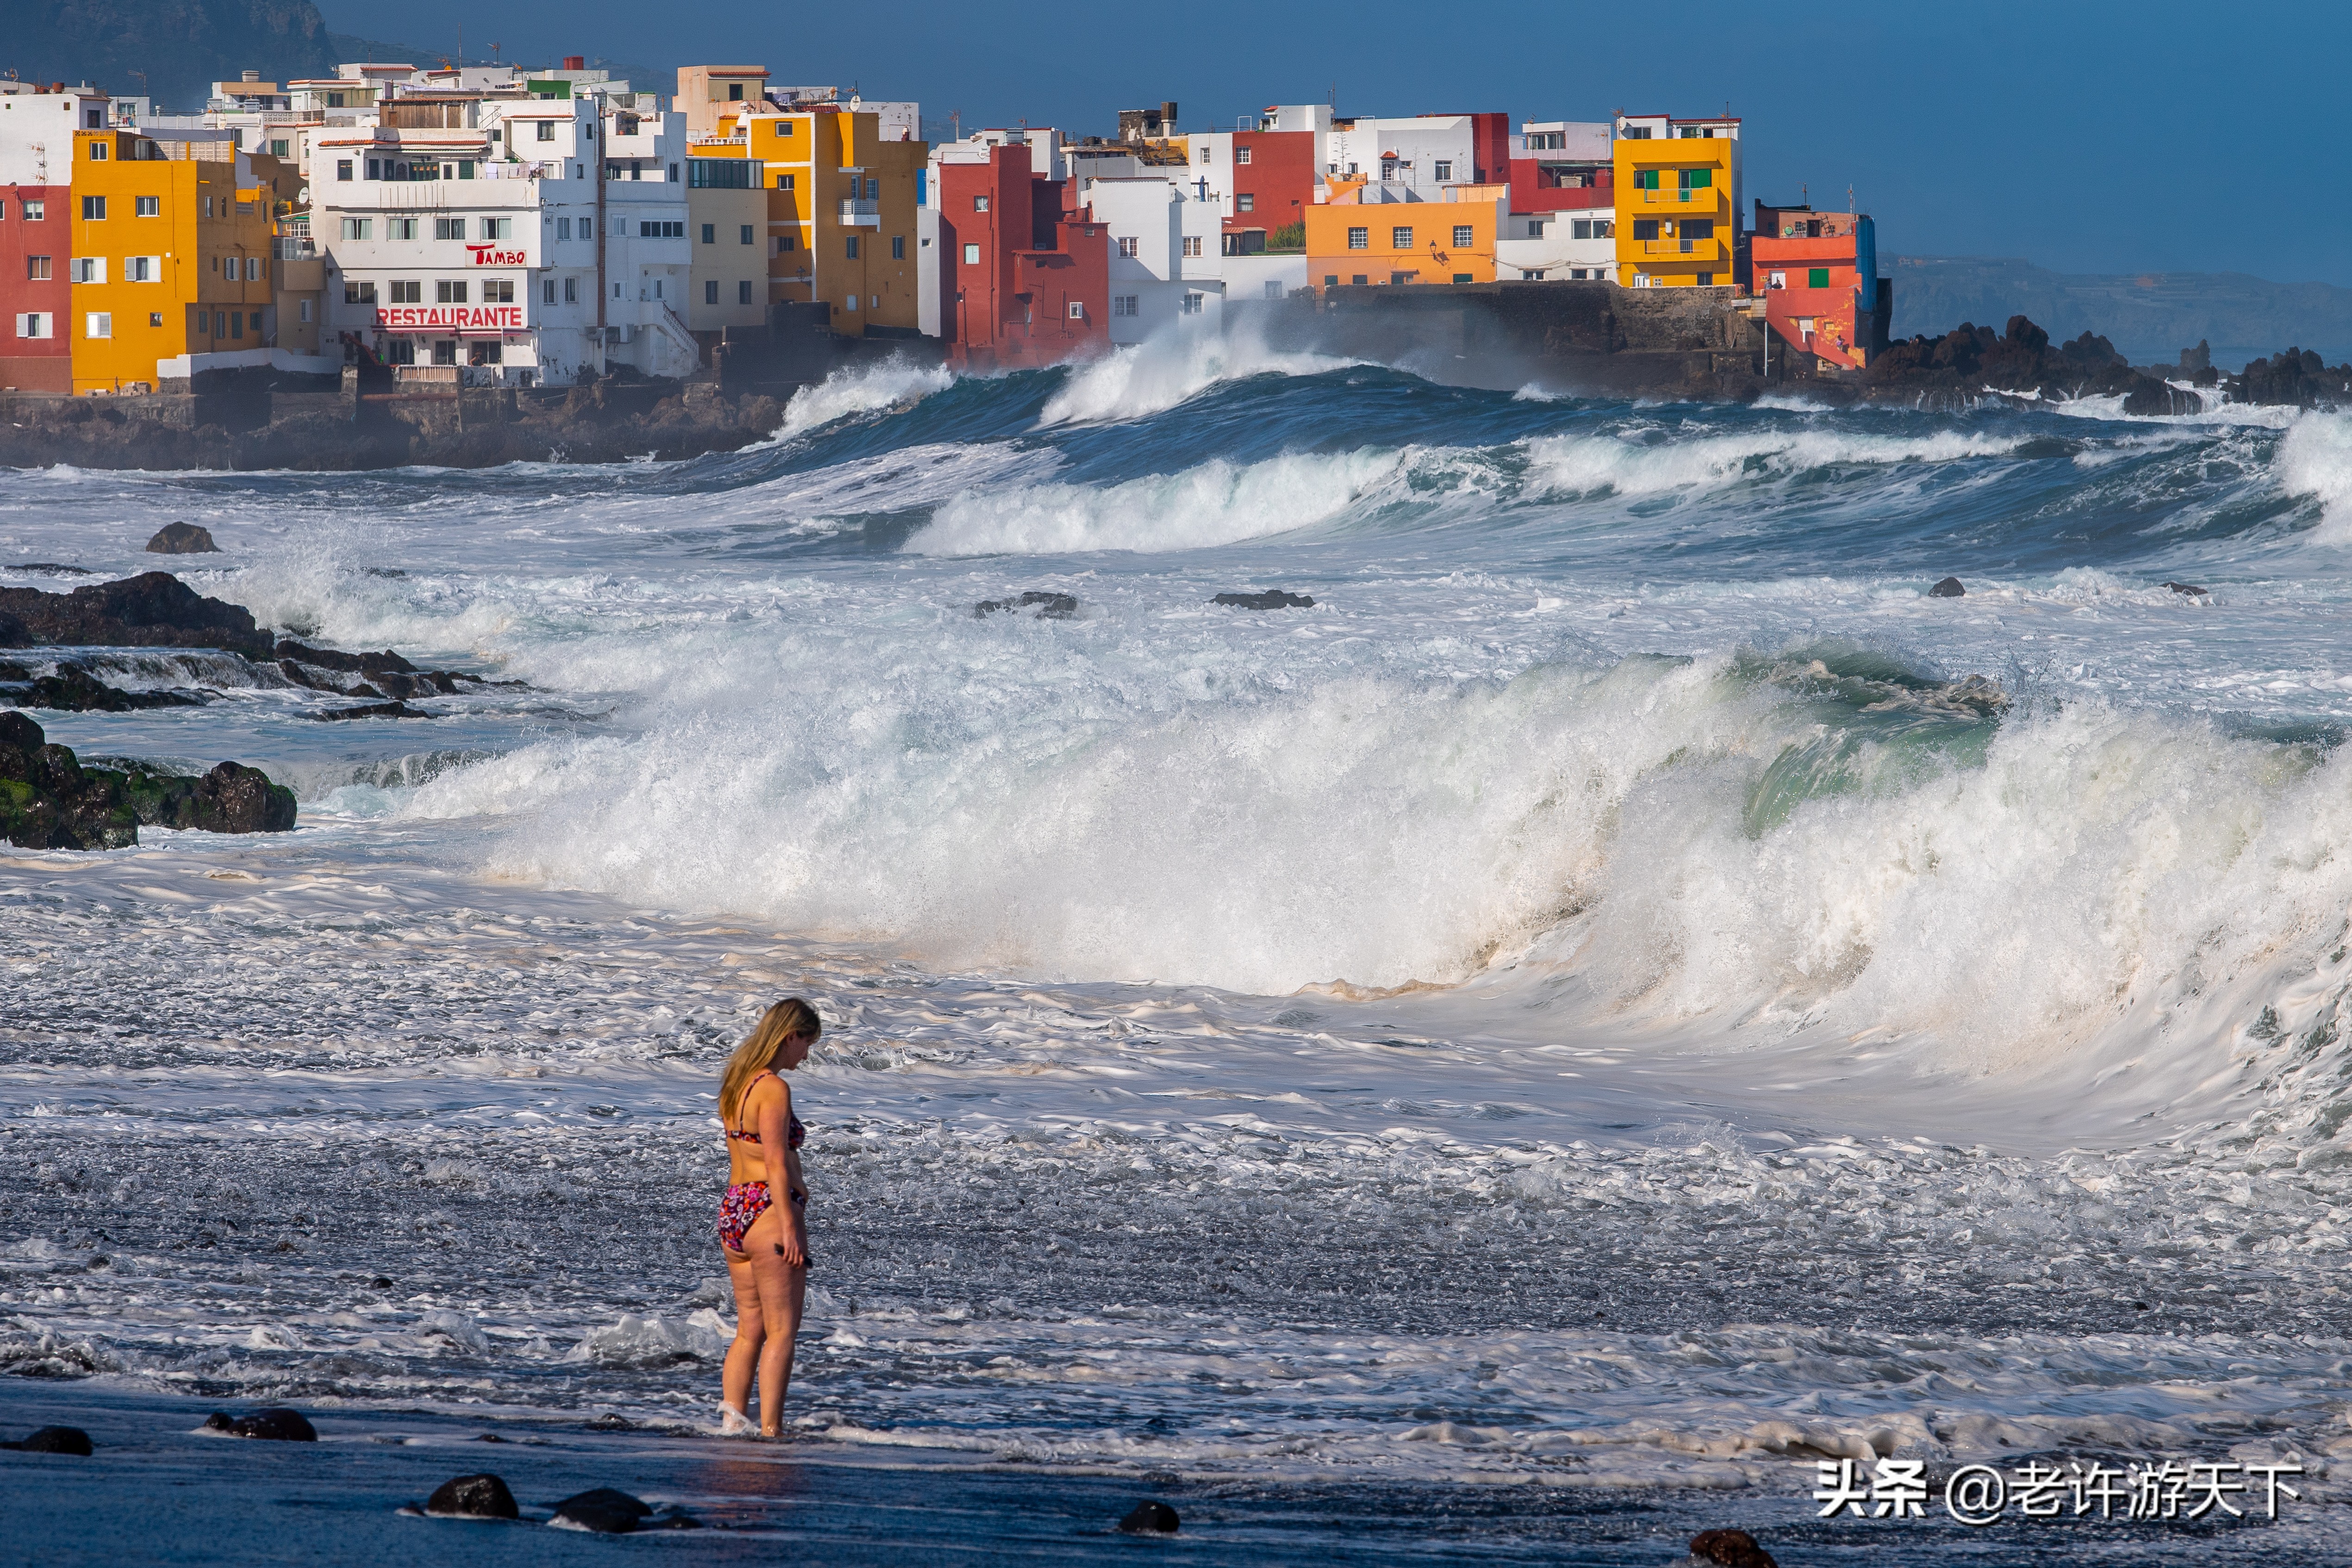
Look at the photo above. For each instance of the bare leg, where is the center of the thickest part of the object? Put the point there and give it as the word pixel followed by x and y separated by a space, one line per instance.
pixel 778 1291
pixel 751 1329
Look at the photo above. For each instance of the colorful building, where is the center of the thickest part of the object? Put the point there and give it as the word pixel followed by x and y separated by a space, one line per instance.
pixel 1677 190
pixel 1818 274
pixel 1023 282
pixel 37 130
pixel 1263 176
pixel 170 259
pixel 1366 236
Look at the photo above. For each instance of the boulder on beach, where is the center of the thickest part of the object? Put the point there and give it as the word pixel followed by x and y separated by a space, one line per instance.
pixel 1729 1548
pixel 472 1496
pixel 1049 606
pixel 1272 599
pixel 54 1440
pixel 76 691
pixel 374 710
pixel 1151 1517
pixel 276 1425
pixel 1949 588
pixel 153 609
pixel 604 1512
pixel 49 801
pixel 385 662
pixel 182 539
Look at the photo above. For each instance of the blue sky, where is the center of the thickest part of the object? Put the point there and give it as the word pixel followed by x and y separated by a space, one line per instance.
pixel 2085 137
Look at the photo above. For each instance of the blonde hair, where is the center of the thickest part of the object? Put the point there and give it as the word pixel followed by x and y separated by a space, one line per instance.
pixel 788 1019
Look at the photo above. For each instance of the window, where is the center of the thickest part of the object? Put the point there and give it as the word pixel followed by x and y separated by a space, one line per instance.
pixel 710 234
pixel 1126 244
pixel 785 181
pixel 980 203
pixel 141 268
pixel 1331 281
pixel 673 173
pixel 342 168
pixel 1123 304
pixel 1241 154
pixel 1401 238
pixel 787 242
pixel 1192 304
pixel 873 186
pixel 783 127
pixel 147 207
pixel 400 350
pixel 1444 169
pixel 1577 273
pixel 1697 229
pixel 897 246
pixel 498 228
pixel 1645 179
pixel 1817 277
pixel 1273 291
pixel 448 228
pixel 1698 179
pixel 1777 280
pixel 34 325
pixel 1191 244
pixel 35 211
pixel 1462 278
pixel 719 174
pixel 1534 231
pixel 277 147
pixel 98 324
pixel 852 302
pixel 1707 279
pixel 1645 228
pixel 445 292
pixel 498 291
pixel 571 291
pixel 236 323
pixel 710 292
pixel 92 269
pixel 400 229
pixel 1077 310
pixel 547 291
pixel 37 268
pixel 851 246
pixel 1359 281
pixel 1245 201
pixel 587 228
pixel 564 229
pixel 204 205
pixel 1580 229
pixel 1462 234
pixel 98 152
pixel 546 131
pixel 745 232
pixel 661 230
pixel 972 256
pixel 444 354
pixel 1403 277
pixel 357 292
pixel 743 292
pixel 1204 154
pixel 406 291
pixel 93 208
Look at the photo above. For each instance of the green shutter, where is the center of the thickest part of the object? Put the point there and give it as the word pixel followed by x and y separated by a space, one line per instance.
pixel 1818 278
pixel 1698 179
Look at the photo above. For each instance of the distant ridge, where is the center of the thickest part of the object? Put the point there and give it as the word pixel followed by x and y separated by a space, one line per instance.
pixel 183 45
pixel 2149 316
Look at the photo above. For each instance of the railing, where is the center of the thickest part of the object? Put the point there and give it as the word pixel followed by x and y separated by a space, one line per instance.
pixel 1678 197
pixel 1673 247
pixel 856 211
pixel 427 375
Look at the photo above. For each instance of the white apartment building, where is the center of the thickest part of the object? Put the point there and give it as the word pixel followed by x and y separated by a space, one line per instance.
pixel 546 243
pixel 1403 158
pixel 1164 253
pixel 1577 243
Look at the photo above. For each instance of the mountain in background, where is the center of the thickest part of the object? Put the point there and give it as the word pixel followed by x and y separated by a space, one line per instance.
pixel 2150 316
pixel 183 45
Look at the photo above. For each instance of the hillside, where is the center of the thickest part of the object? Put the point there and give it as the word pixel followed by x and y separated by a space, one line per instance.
pixel 2150 316
pixel 183 45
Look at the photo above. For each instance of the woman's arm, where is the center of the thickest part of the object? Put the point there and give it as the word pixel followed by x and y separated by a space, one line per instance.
pixel 777 1157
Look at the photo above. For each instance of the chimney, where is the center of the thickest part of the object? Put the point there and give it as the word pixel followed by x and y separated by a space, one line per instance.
pixel 253 75
pixel 1168 118
pixel 575 62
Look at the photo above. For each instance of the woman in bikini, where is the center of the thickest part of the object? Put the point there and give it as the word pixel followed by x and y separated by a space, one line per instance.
pixel 764 1219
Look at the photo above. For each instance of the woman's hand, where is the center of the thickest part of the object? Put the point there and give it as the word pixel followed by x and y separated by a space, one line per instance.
pixel 793 1245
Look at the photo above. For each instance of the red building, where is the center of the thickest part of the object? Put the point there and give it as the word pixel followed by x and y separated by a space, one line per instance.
pixel 1274 179
pixel 1022 283
pixel 1565 168
pixel 36 294
pixel 1817 273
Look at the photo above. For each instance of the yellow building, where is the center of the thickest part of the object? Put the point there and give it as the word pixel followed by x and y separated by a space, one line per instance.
pixel 171 257
pixel 727 224
pixel 1352 241
pixel 840 210
pixel 1677 209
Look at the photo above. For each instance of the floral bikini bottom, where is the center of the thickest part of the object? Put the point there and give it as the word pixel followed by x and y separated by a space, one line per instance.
pixel 742 1205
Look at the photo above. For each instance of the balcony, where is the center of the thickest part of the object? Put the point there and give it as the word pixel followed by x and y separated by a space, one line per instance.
pixel 1707 248
pixel 1703 195
pixel 859 214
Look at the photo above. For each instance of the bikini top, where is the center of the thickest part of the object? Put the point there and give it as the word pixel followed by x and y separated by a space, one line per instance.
pixel 792 1134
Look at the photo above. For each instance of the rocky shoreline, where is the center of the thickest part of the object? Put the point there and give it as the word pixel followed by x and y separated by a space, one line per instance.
pixel 50 799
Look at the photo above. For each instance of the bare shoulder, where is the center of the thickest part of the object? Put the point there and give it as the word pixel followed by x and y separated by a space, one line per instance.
pixel 770 1093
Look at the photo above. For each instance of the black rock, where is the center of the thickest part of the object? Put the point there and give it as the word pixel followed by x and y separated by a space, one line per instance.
pixel 2191 589
pixel 1272 599
pixel 374 710
pixel 380 1283
pixel 1050 607
pixel 671 1518
pixel 49 801
pixel 1730 1548
pixel 609 1422
pixel 15 633
pixel 54 1440
pixel 349 663
pixel 277 1425
pixel 182 539
pixel 1153 1518
pixel 53 569
pixel 472 1496
pixel 72 690
pixel 153 609
pixel 605 1510
pixel 1949 588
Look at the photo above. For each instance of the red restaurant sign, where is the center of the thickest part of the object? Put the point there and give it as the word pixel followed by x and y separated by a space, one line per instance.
pixel 491 256
pixel 451 318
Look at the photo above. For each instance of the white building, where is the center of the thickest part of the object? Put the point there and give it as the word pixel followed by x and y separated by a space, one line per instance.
pixel 545 243
pixel 1164 253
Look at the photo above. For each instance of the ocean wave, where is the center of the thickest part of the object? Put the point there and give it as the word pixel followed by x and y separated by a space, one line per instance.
pixel 863 389
pixel 1172 366
pixel 2314 459
pixel 1665 462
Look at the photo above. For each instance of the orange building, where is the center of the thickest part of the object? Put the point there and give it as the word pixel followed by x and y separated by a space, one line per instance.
pixel 1351 240
pixel 171 253
pixel 1818 275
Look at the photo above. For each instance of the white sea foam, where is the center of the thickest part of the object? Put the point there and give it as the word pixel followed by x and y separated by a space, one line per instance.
pixel 2316 461
pixel 1667 462
pixel 863 389
pixel 1174 365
